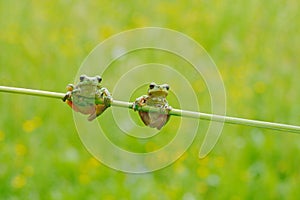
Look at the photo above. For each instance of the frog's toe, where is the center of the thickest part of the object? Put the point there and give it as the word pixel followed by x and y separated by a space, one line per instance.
pixel 67 96
pixel 135 106
pixel 64 98
pixel 92 117
pixel 108 101
pixel 169 108
pixel 70 87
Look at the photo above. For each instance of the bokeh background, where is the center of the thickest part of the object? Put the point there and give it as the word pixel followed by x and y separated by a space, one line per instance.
pixel 255 45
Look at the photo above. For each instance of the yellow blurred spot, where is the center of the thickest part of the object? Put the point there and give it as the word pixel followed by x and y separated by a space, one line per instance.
pixel 241 74
pixel 151 146
pixel 140 21
pixel 183 157
pixel 203 172
pixel 219 161
pixel 18 182
pixel 199 85
pixel 20 149
pixel 84 179
pixel 2 136
pixel 106 32
pixel 93 163
pixel 204 161
pixel 31 125
pixel 260 87
pixel 179 168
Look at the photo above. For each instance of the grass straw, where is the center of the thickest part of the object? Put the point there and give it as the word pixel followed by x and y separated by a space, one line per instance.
pixel 175 112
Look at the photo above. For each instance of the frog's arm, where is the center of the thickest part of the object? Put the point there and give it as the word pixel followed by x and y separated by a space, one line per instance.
pixel 139 102
pixel 70 88
pixel 67 96
pixel 168 107
pixel 106 96
pixel 105 92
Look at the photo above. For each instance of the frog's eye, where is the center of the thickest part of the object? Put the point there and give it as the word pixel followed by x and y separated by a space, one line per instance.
pixel 152 85
pixel 99 78
pixel 167 86
pixel 82 77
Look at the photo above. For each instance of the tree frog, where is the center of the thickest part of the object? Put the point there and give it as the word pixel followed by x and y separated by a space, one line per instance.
pixel 88 96
pixel 156 97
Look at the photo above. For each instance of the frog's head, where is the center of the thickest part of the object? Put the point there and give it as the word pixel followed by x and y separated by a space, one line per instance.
pixel 91 81
pixel 156 90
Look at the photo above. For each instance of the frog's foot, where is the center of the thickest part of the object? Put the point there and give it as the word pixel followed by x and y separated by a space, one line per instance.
pixel 107 101
pixel 99 109
pixel 67 96
pixel 168 108
pixel 139 102
pixel 165 109
pixel 135 106
pixel 70 87
pixel 70 103
pixel 92 116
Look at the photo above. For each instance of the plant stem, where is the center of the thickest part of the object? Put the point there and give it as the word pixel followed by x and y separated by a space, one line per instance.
pixel 175 112
pixel 41 93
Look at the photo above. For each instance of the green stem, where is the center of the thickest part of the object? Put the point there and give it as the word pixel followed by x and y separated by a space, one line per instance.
pixel 31 92
pixel 175 112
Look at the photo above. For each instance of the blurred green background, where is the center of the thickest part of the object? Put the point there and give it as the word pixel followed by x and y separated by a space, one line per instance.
pixel 255 45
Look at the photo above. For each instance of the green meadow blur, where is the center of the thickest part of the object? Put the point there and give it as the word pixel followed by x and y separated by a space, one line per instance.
pixel 255 45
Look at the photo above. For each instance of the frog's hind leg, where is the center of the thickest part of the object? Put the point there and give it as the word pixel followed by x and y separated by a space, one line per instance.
pixel 99 109
pixel 92 116
pixel 70 103
pixel 145 117
pixel 106 96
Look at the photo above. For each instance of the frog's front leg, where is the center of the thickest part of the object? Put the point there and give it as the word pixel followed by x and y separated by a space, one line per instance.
pixel 168 108
pixel 107 98
pixel 70 88
pixel 99 109
pixel 139 102
pixel 68 97
pixel 103 101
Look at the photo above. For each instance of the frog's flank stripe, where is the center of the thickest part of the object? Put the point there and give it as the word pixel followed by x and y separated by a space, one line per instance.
pixel 175 112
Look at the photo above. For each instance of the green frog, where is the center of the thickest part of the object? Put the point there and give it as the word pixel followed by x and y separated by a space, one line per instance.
pixel 88 96
pixel 156 97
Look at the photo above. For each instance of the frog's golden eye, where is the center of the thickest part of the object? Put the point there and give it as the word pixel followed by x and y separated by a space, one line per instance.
pixel 99 78
pixel 152 85
pixel 82 77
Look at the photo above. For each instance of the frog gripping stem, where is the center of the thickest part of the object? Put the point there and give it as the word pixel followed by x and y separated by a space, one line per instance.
pixel 88 96
pixel 175 112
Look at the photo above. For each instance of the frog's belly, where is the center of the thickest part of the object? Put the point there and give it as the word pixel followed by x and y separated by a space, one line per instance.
pixel 154 120
pixel 85 109
pixel 84 105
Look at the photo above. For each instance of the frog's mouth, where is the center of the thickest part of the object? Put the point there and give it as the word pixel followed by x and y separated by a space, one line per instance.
pixel 160 93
